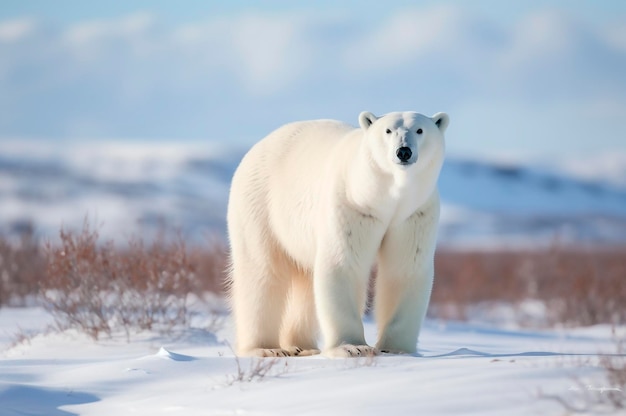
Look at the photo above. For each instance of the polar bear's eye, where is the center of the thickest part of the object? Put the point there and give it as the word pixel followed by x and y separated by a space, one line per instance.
pixel 388 131
pixel 420 131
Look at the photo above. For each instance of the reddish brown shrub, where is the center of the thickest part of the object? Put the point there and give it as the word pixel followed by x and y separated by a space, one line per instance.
pixel 98 287
pixel 22 266
pixel 580 286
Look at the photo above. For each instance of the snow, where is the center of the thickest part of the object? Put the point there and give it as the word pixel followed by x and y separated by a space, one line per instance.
pixel 465 368
pixel 607 166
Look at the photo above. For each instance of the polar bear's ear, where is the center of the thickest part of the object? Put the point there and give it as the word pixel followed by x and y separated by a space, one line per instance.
pixel 366 119
pixel 441 120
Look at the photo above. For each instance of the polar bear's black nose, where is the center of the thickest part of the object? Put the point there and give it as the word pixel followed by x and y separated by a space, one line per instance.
pixel 404 154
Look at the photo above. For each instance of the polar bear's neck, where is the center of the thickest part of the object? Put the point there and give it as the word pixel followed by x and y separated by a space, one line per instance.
pixel 390 196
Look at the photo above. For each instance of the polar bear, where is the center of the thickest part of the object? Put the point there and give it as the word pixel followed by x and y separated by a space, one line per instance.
pixel 312 208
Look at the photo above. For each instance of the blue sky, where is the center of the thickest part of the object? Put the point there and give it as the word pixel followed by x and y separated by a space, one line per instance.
pixel 538 77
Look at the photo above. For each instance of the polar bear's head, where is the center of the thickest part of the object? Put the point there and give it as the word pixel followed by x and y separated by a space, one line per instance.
pixel 405 140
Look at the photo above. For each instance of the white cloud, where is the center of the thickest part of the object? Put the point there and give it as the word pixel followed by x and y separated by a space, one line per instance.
pixel 266 52
pixel 403 37
pixel 140 75
pixel 128 27
pixel 271 50
pixel 110 41
pixel 541 39
pixel 14 30
pixel 269 53
pixel 615 36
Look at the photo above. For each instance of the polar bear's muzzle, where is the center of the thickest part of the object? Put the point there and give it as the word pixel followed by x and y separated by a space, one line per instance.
pixel 404 155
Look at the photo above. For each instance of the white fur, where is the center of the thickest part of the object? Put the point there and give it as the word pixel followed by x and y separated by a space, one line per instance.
pixel 313 206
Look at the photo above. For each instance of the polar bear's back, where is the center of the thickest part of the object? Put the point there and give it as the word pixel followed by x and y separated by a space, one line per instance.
pixel 282 176
pixel 314 138
pixel 295 149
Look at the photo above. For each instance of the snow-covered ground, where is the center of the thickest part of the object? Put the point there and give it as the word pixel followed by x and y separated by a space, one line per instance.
pixel 463 369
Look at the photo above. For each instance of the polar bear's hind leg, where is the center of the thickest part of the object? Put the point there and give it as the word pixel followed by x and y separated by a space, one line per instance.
pixel 300 328
pixel 258 293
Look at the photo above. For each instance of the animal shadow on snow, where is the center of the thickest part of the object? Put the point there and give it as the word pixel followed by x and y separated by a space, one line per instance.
pixel 26 400
pixel 474 353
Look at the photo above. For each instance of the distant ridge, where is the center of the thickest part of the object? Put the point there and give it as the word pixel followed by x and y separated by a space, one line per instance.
pixel 138 187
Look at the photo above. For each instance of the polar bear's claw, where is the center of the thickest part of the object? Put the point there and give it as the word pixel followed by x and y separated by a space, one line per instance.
pixel 284 352
pixel 349 350
pixel 300 352
pixel 271 352
pixel 306 353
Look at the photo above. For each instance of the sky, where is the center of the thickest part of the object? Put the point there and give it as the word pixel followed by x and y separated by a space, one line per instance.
pixel 517 78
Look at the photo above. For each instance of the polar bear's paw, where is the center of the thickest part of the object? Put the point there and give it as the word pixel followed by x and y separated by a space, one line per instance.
pixel 299 352
pixel 270 352
pixel 390 351
pixel 349 350
pixel 283 352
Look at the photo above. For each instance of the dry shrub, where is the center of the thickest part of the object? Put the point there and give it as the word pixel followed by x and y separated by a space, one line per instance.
pixel 22 266
pixel 257 370
pixel 580 286
pixel 586 287
pixel 605 396
pixel 210 263
pixel 98 288
pixel 615 370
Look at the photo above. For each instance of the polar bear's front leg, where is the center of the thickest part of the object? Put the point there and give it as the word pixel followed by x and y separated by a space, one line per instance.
pixel 340 294
pixel 405 279
pixel 401 302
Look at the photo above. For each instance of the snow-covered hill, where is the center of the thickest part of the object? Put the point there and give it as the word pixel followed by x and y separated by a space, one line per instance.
pixel 137 187
pixel 495 201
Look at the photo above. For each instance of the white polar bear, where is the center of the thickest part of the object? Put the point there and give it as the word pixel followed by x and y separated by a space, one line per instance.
pixel 312 208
